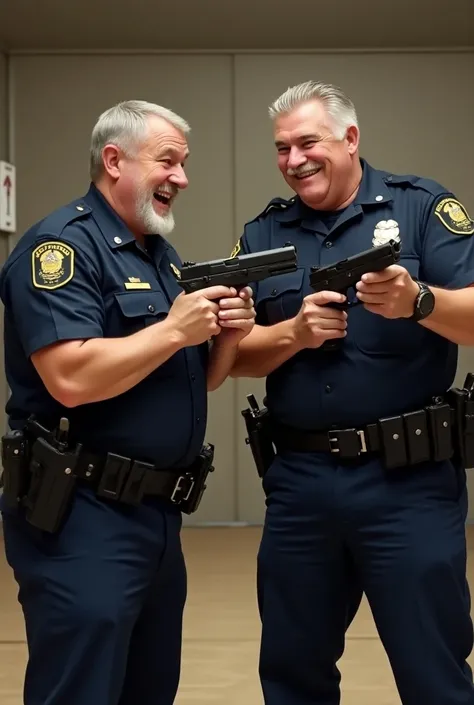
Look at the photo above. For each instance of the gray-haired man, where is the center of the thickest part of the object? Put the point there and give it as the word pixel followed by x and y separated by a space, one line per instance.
pixel 364 491
pixel 97 330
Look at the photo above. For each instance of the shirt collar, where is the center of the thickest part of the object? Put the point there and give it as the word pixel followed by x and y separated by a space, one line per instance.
pixel 111 225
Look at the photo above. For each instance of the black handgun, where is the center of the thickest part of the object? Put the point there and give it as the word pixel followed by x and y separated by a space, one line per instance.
pixel 238 271
pixel 345 274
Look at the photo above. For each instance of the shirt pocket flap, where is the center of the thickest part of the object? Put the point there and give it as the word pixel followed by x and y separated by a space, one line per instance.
pixel 274 287
pixel 279 297
pixel 142 303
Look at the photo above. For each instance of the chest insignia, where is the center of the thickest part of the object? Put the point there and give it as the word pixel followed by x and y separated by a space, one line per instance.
pixel 52 265
pixel 386 230
pixel 175 271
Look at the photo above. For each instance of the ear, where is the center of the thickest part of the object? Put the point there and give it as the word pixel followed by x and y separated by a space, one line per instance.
pixel 111 156
pixel 352 138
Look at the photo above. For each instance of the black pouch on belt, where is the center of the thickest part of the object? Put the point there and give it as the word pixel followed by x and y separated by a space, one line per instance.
pixel 440 424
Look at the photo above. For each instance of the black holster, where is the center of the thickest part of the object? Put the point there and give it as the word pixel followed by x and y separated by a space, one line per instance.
pixel 38 475
pixel 259 437
pixel 52 485
pixel 15 462
pixel 462 405
pixel 190 501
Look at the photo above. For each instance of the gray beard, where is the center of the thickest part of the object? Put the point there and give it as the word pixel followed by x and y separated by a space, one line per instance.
pixel 153 224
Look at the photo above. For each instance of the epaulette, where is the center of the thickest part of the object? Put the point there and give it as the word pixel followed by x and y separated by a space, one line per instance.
pixel 428 185
pixel 55 222
pixel 278 204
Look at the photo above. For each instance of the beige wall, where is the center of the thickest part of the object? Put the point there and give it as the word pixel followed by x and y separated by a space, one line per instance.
pixel 4 155
pixel 415 113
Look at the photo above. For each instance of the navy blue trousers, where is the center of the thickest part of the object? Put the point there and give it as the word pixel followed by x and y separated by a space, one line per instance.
pixel 103 603
pixel 333 531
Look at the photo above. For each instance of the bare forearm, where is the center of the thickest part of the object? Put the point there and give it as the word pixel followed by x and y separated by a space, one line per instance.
pixel 265 349
pixel 453 315
pixel 221 360
pixel 102 368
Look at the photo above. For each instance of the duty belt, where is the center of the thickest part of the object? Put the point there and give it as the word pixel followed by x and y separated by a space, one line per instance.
pixel 117 477
pixel 407 439
pixel 441 430
pixel 41 471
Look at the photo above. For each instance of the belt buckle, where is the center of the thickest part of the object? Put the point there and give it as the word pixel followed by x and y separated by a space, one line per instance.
pixel 350 443
pixel 178 488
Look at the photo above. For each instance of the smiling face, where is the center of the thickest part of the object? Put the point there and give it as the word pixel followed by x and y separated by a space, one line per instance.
pixel 324 171
pixel 146 182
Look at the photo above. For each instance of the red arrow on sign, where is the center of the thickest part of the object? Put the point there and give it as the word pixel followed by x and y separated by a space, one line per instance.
pixel 7 184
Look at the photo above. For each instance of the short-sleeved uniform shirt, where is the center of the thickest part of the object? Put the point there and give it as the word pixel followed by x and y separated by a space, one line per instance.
pixel 384 366
pixel 81 274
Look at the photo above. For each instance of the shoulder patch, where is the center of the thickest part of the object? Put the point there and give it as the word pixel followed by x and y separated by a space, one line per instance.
pixel 454 217
pixel 52 265
pixel 236 250
pixel 175 270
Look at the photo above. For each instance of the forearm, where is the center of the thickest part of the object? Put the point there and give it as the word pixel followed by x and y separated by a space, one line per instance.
pixel 453 315
pixel 265 349
pixel 221 360
pixel 102 368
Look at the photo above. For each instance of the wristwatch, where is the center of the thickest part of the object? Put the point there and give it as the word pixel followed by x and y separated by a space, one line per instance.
pixel 424 302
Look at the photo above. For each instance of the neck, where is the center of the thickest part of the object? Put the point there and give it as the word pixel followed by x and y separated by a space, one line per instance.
pixel 107 192
pixel 346 198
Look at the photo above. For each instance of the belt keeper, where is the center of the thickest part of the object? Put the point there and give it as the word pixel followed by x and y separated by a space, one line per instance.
pixel 113 477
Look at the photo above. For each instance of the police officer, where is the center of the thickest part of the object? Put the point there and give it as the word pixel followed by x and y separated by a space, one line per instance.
pixel 346 509
pixel 99 332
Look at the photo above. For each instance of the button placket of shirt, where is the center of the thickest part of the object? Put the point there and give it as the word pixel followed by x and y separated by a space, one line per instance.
pixel 170 286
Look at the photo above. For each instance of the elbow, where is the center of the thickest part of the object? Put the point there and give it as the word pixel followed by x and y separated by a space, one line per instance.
pixel 212 385
pixel 67 393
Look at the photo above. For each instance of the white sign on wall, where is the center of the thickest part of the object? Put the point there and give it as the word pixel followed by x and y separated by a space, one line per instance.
pixel 7 198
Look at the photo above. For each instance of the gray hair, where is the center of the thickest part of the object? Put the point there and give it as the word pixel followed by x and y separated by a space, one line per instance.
pixel 125 125
pixel 339 107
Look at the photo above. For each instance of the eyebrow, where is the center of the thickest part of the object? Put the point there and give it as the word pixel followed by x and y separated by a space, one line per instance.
pixel 172 151
pixel 301 138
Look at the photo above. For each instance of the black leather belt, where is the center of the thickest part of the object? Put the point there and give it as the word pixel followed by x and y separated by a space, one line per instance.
pixel 118 477
pixel 347 442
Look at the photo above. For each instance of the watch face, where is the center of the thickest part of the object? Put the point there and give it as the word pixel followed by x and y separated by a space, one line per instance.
pixel 426 303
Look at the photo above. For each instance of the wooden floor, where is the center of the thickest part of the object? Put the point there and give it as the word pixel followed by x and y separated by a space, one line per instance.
pixel 221 630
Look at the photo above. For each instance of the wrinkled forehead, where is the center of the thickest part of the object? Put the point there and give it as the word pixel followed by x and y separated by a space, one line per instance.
pixel 162 136
pixel 308 119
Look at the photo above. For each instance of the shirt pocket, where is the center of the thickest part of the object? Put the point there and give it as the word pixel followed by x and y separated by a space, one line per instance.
pixel 133 311
pixel 279 298
pixel 377 336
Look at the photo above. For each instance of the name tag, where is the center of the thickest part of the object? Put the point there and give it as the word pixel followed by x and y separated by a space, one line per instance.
pixel 137 285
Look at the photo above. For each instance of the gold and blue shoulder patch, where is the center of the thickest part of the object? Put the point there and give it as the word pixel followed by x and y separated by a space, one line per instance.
pixel 175 270
pixel 52 265
pixel 454 217
pixel 236 250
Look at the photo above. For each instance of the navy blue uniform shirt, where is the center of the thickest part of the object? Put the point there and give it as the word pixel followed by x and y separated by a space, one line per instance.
pixel 385 366
pixel 81 274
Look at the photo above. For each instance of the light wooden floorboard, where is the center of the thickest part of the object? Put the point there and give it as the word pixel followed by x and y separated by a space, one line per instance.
pixel 221 629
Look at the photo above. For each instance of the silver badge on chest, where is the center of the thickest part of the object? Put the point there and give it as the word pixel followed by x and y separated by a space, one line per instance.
pixel 386 230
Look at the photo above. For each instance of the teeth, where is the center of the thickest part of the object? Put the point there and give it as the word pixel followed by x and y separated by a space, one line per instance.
pixel 308 173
